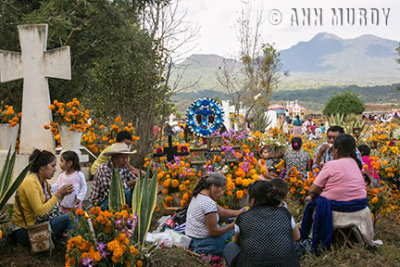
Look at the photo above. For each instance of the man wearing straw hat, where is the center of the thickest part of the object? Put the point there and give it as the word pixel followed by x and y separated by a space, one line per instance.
pixel 119 154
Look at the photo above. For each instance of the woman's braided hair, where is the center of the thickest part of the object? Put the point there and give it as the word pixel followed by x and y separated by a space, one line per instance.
pixel 346 147
pixel 264 194
pixel 209 179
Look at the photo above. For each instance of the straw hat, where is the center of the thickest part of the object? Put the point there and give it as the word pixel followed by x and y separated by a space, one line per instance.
pixel 119 148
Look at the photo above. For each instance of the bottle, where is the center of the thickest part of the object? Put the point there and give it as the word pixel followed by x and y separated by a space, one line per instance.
pixel 169 224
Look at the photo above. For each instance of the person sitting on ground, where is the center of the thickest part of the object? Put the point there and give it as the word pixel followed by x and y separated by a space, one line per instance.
pixel 365 152
pixel 34 201
pixel 297 123
pixel 268 160
pixel 324 153
pixel 102 178
pixel 340 186
pixel 123 137
pixel 265 233
pixel 203 216
pixel 297 158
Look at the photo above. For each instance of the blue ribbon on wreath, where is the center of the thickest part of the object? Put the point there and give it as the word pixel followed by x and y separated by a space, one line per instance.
pixel 204 108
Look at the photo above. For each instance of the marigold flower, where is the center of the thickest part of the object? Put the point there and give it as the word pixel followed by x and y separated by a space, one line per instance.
pixel 133 251
pixel 174 183
pixel 167 182
pixel 115 259
pixel 239 194
pixel 79 212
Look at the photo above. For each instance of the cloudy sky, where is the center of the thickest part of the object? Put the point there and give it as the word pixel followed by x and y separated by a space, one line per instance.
pixel 286 22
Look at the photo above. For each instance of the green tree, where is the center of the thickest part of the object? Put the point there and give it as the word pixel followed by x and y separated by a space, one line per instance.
pixel 251 83
pixel 116 63
pixel 346 103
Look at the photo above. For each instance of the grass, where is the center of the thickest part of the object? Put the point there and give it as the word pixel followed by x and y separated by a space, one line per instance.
pixel 388 254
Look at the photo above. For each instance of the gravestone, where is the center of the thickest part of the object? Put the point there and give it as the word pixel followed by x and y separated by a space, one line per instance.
pixel 170 151
pixel 35 65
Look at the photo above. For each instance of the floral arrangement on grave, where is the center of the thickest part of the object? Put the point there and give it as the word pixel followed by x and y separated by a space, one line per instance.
pixel 299 185
pixel 384 201
pixel 239 175
pixel 178 180
pixel 8 115
pixel 276 140
pixel 379 133
pixel 98 136
pixel 103 238
pixel 388 167
pixel 115 237
pixel 204 117
pixel 70 114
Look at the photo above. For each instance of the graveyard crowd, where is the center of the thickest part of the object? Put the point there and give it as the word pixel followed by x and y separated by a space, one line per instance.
pixel 264 233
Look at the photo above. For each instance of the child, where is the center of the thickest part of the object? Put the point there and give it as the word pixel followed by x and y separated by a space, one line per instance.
pixel 365 152
pixel 282 189
pixel 71 175
pixel 268 161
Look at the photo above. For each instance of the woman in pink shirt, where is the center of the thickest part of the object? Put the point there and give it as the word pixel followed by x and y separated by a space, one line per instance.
pixel 340 186
pixel 341 179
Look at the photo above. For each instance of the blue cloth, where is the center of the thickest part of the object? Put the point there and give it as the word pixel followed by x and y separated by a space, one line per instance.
pixel 322 224
pixel 231 251
pixel 128 200
pixel 211 245
pixel 297 122
pixel 59 225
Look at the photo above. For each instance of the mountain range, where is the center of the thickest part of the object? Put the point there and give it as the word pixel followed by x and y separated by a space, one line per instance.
pixel 325 60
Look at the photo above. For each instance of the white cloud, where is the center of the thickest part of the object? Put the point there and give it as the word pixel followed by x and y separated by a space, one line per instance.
pixel 217 19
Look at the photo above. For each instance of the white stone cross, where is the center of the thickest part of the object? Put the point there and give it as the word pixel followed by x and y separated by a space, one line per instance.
pixel 34 64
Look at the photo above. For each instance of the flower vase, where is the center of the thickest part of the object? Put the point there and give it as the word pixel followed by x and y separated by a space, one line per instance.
pixel 8 137
pixel 70 140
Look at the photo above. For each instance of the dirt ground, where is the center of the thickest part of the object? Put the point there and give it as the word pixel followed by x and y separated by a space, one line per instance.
pixel 13 254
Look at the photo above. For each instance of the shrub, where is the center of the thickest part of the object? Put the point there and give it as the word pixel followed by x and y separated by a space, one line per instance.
pixel 346 103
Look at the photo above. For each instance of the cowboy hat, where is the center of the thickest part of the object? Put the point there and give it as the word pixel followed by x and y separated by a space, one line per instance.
pixel 119 148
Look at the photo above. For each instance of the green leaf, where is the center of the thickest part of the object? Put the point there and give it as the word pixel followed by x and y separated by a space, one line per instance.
pixel 143 203
pixel 4 171
pixel 8 167
pixel 116 197
pixel 9 174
